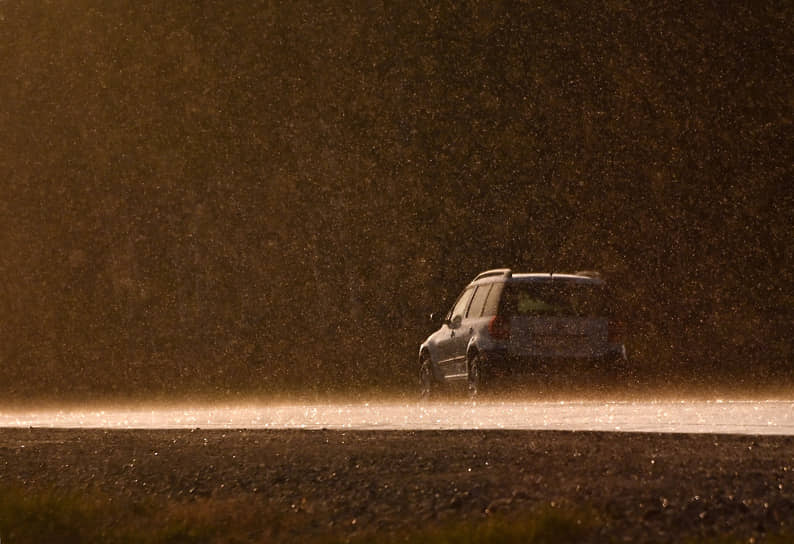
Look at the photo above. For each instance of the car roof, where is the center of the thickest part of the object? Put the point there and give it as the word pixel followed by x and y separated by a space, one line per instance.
pixel 507 276
pixel 541 277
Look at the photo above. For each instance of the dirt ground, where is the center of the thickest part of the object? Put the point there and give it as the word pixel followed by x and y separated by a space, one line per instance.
pixel 643 487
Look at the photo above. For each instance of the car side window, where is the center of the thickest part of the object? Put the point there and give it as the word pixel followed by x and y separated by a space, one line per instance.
pixel 491 305
pixel 459 309
pixel 478 301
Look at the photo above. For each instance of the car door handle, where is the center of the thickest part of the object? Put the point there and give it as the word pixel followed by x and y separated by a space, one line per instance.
pixel 451 334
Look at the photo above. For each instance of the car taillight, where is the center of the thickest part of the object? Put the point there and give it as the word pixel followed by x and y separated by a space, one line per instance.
pixel 499 328
pixel 617 331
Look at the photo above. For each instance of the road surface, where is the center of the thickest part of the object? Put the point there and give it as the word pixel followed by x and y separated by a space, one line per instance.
pixel 753 417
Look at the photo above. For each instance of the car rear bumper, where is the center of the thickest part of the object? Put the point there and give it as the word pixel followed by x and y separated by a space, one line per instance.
pixel 501 363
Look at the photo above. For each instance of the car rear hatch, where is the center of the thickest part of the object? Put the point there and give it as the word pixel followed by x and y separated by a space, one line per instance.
pixel 558 337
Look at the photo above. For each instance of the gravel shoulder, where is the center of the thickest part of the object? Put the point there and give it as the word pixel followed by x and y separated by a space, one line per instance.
pixel 646 487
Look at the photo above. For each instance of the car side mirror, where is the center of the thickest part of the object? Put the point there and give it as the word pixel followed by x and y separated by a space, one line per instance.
pixel 435 319
pixel 455 323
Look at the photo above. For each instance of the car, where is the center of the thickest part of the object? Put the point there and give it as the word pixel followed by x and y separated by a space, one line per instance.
pixel 505 324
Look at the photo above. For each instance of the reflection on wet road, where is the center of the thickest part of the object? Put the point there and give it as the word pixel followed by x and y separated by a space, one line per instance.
pixel 686 416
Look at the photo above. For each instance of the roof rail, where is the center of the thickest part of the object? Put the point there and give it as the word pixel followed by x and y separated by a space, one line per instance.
pixel 495 272
pixel 589 273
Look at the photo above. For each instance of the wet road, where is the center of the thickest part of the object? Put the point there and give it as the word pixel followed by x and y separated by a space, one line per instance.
pixel 765 417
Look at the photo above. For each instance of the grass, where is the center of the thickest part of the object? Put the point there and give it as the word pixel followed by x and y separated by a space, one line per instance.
pixel 72 518
pixel 550 526
pixel 34 516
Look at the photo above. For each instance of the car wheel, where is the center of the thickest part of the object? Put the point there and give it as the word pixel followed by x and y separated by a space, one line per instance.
pixel 476 380
pixel 427 380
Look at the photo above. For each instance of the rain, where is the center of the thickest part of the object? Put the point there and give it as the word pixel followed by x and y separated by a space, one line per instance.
pixel 220 217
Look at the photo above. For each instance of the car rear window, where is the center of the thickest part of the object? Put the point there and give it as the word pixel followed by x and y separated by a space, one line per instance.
pixel 554 299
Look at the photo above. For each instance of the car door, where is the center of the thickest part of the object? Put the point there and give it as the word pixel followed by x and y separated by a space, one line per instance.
pixel 448 346
pixel 463 333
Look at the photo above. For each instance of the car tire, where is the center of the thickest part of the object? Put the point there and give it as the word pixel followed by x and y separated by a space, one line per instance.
pixel 427 381
pixel 476 382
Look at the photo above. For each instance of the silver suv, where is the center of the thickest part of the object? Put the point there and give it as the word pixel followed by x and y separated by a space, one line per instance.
pixel 506 324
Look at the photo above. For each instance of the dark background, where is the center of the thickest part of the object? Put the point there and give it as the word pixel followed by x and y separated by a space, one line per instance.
pixel 272 196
